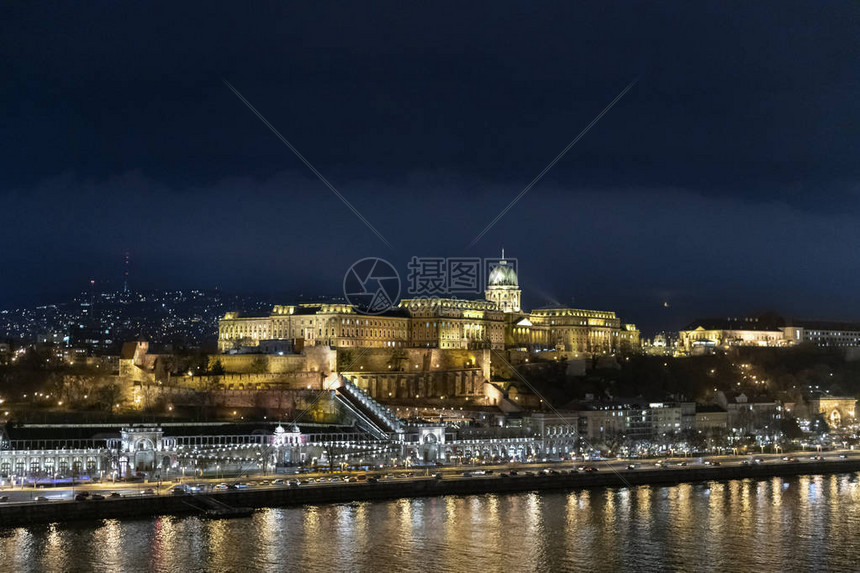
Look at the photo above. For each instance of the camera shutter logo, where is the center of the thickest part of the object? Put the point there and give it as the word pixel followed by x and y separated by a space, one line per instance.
pixel 372 285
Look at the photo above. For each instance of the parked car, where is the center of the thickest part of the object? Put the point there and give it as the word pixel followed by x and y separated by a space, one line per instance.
pixel 82 497
pixel 97 497
pixel 4 498
pixel 114 494
pixel 281 482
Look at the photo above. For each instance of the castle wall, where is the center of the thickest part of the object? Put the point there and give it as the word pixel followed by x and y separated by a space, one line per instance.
pixel 277 402
pixel 466 383
pixel 313 359
pixel 253 381
pixel 413 360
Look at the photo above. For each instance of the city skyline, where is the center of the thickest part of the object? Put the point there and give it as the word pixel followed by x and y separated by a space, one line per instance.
pixel 554 286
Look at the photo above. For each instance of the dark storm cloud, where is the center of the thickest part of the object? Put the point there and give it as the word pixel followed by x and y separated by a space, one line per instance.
pixel 726 179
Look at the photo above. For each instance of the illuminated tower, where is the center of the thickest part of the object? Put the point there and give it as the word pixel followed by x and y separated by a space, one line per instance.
pixel 503 287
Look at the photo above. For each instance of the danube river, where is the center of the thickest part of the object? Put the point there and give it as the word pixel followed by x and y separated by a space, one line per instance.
pixel 804 523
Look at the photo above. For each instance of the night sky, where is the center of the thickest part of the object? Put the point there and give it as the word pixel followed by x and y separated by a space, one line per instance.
pixel 725 182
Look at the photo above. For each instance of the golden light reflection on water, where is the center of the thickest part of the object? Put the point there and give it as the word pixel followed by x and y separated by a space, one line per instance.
pixel 776 487
pixel 22 540
pixel 643 499
pixel 761 525
pixel 162 543
pixel 220 544
pixel 572 513
pixel 609 506
pixel 311 522
pixel 110 547
pixel 270 523
pixel 532 544
pixel 54 551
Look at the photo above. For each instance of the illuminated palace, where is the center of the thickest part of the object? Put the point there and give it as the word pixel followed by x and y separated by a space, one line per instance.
pixel 496 322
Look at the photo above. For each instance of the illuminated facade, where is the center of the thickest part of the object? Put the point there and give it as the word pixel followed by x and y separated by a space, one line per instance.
pixel 837 410
pixel 572 330
pixel 702 335
pixel 503 287
pixel 497 322
pixel 455 323
pixel 334 325
pixel 828 334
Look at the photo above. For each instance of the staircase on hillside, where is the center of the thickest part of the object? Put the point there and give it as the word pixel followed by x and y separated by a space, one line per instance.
pixel 373 416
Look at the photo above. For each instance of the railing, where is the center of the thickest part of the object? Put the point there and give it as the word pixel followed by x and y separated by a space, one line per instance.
pixel 53 445
pixel 384 415
pixel 365 421
pixel 221 440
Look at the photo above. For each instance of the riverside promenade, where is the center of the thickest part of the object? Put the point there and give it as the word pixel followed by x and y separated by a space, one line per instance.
pixel 562 477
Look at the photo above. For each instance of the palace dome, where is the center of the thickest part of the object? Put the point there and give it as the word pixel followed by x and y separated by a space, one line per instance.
pixel 502 275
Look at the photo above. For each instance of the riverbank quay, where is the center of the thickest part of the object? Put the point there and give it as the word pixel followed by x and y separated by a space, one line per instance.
pixel 17 514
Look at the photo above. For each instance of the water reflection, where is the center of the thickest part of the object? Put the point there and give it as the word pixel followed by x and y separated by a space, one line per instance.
pixel 766 525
